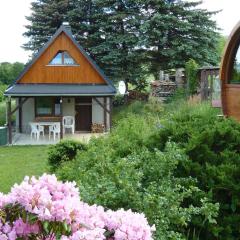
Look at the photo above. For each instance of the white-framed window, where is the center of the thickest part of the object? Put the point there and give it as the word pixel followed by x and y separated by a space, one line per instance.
pixel 63 58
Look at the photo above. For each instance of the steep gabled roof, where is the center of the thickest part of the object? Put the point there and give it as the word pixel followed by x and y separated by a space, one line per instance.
pixel 65 29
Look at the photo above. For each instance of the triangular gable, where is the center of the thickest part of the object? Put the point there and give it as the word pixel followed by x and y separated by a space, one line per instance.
pixel 86 70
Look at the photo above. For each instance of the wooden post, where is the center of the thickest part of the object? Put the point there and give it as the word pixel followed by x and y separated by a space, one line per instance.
pixel 20 114
pixel 211 84
pixel 204 85
pixel 110 114
pixel 61 119
pixel 9 121
pixel 105 113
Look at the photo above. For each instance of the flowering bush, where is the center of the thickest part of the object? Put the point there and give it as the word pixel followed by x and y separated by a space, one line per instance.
pixel 47 209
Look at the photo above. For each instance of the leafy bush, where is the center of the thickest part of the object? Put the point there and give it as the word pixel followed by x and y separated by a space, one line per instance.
pixel 179 95
pixel 63 151
pixel 2 90
pixel 118 100
pixel 45 208
pixel 118 171
pixel 213 147
pixel 152 108
pixel 2 113
pixel 122 112
pixel 191 74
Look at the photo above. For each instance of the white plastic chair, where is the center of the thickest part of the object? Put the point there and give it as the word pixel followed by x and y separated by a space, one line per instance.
pixel 54 130
pixel 34 130
pixel 69 123
pixel 41 130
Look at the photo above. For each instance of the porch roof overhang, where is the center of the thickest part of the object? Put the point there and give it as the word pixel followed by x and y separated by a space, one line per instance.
pixel 31 90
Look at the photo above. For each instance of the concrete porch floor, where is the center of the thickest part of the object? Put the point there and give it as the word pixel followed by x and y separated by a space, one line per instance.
pixel 25 139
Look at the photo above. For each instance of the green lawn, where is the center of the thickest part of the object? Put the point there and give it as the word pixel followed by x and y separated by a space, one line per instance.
pixel 19 161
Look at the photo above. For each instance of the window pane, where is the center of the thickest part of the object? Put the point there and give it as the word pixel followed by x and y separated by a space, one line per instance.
pixel 57 60
pixel 235 78
pixel 68 60
pixel 43 106
pixel 57 107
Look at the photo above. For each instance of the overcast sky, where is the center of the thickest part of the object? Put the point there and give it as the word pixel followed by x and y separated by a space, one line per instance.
pixel 13 12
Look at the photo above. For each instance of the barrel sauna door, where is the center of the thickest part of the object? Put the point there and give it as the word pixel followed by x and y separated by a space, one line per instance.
pixel 83 117
pixel 230 76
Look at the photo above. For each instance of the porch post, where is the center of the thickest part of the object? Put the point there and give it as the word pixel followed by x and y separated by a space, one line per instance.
pixel 9 120
pixel 110 114
pixel 105 113
pixel 20 114
pixel 61 114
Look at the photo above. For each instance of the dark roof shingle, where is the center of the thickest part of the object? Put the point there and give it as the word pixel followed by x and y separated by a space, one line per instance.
pixel 59 90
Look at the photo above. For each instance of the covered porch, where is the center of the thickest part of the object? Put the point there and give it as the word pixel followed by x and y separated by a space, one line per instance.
pixel 48 110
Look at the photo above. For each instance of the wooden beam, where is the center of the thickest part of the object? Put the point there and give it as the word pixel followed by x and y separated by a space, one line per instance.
pixel 9 121
pixel 101 104
pixel 105 113
pixel 20 115
pixel 61 114
pixel 19 105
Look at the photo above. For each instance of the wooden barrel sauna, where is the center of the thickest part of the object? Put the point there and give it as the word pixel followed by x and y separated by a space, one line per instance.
pixel 230 75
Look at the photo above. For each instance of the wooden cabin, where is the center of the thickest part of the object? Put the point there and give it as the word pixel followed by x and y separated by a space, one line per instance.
pixel 61 80
pixel 230 75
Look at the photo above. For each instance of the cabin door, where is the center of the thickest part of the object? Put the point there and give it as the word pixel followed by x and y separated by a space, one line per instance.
pixel 83 117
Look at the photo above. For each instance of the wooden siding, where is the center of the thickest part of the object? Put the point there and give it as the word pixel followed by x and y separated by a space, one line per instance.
pixel 232 102
pixel 82 74
pixel 230 92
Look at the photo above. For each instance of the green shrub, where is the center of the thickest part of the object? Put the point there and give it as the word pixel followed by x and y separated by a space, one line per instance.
pixel 153 106
pixel 213 147
pixel 179 95
pixel 143 181
pixel 191 68
pixel 118 100
pixel 63 151
pixel 2 113
pixel 2 90
pixel 122 112
pixel 118 171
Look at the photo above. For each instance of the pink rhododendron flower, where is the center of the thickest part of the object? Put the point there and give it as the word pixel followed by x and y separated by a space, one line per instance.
pixel 46 201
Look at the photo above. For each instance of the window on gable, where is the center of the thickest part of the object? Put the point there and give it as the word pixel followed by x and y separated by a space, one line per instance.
pixel 62 58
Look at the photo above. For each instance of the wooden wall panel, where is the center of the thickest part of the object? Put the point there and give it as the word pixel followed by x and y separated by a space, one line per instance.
pixel 232 102
pixel 82 74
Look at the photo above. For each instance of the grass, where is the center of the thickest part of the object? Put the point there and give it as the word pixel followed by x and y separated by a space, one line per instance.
pixel 19 161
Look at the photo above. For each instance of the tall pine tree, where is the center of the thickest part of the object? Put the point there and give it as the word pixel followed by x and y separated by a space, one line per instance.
pixel 175 31
pixel 108 30
pixel 129 37
pixel 46 17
